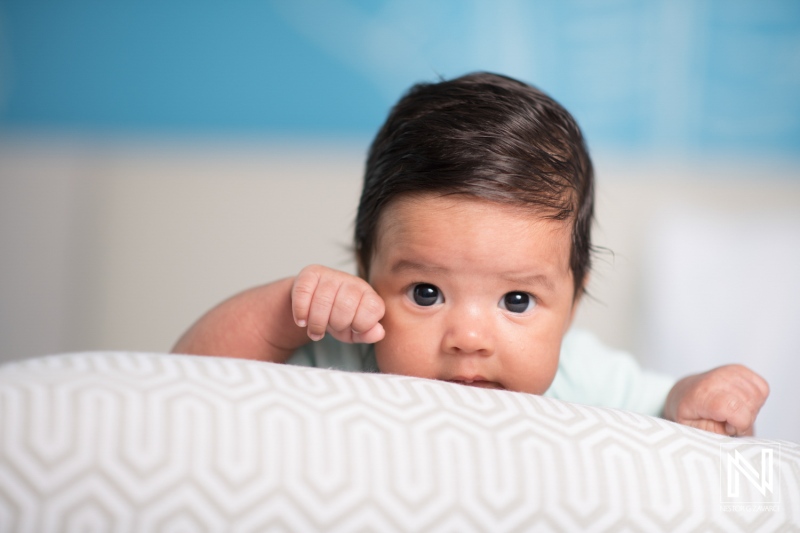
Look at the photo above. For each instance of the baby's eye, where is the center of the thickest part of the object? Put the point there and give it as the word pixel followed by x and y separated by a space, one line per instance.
pixel 517 302
pixel 425 294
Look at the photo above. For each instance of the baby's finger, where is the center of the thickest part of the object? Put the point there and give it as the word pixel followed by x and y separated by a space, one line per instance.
pixel 321 305
pixel 734 410
pixel 755 388
pixel 733 431
pixel 344 307
pixel 302 293
pixel 745 399
pixel 370 311
pixel 762 385
pixel 370 337
pixel 707 425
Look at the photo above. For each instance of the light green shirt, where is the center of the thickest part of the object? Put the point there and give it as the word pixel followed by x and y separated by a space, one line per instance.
pixel 589 372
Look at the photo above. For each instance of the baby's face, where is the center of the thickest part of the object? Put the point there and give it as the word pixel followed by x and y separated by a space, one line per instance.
pixel 476 292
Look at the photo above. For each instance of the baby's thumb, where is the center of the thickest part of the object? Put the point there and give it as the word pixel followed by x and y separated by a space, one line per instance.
pixel 370 336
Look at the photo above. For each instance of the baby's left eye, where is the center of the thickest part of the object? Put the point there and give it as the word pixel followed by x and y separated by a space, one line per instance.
pixel 517 302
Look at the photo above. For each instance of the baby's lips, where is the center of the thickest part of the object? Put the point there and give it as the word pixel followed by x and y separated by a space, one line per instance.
pixel 476 381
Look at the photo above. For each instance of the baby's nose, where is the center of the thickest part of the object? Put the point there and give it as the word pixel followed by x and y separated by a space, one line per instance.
pixel 468 331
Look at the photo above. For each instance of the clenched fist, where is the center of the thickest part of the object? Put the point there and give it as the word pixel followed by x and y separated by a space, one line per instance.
pixel 724 400
pixel 346 306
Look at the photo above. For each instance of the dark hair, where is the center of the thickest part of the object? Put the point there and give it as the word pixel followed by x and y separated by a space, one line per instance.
pixel 487 136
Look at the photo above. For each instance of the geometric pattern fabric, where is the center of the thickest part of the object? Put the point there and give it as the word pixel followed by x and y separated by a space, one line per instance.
pixel 134 442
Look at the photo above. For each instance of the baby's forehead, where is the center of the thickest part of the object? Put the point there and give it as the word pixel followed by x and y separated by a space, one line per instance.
pixel 403 213
pixel 452 224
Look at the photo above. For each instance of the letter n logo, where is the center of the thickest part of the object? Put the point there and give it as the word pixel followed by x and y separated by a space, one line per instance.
pixel 748 473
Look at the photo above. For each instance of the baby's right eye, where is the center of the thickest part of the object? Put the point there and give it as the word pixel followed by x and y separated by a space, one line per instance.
pixel 425 294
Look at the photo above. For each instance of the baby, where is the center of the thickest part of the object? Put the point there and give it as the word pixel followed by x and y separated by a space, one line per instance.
pixel 473 242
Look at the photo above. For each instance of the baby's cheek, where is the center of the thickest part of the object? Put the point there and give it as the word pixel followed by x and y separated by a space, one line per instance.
pixel 389 359
pixel 549 362
pixel 547 377
pixel 382 348
pixel 401 354
pixel 536 382
pixel 539 370
pixel 388 351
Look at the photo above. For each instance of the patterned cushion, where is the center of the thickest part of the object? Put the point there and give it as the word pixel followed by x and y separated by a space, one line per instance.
pixel 130 442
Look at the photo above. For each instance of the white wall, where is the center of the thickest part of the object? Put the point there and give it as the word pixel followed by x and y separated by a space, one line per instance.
pixel 122 245
pixel 122 248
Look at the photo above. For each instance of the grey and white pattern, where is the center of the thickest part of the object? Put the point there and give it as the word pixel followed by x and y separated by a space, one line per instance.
pixel 130 442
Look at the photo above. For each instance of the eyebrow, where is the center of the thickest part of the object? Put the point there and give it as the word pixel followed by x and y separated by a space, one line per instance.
pixel 405 265
pixel 530 279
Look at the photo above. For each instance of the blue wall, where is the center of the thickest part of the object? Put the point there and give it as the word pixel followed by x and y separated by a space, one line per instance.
pixel 658 75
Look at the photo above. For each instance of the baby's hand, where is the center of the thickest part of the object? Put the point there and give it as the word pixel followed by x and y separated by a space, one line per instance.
pixel 344 305
pixel 724 400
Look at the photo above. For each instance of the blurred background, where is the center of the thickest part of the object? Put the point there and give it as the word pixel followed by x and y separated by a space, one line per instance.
pixel 158 156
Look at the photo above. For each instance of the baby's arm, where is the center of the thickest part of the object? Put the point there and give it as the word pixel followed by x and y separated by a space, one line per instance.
pixel 270 322
pixel 724 400
pixel 254 324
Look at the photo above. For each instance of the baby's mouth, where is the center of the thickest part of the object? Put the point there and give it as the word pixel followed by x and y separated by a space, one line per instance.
pixel 477 381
